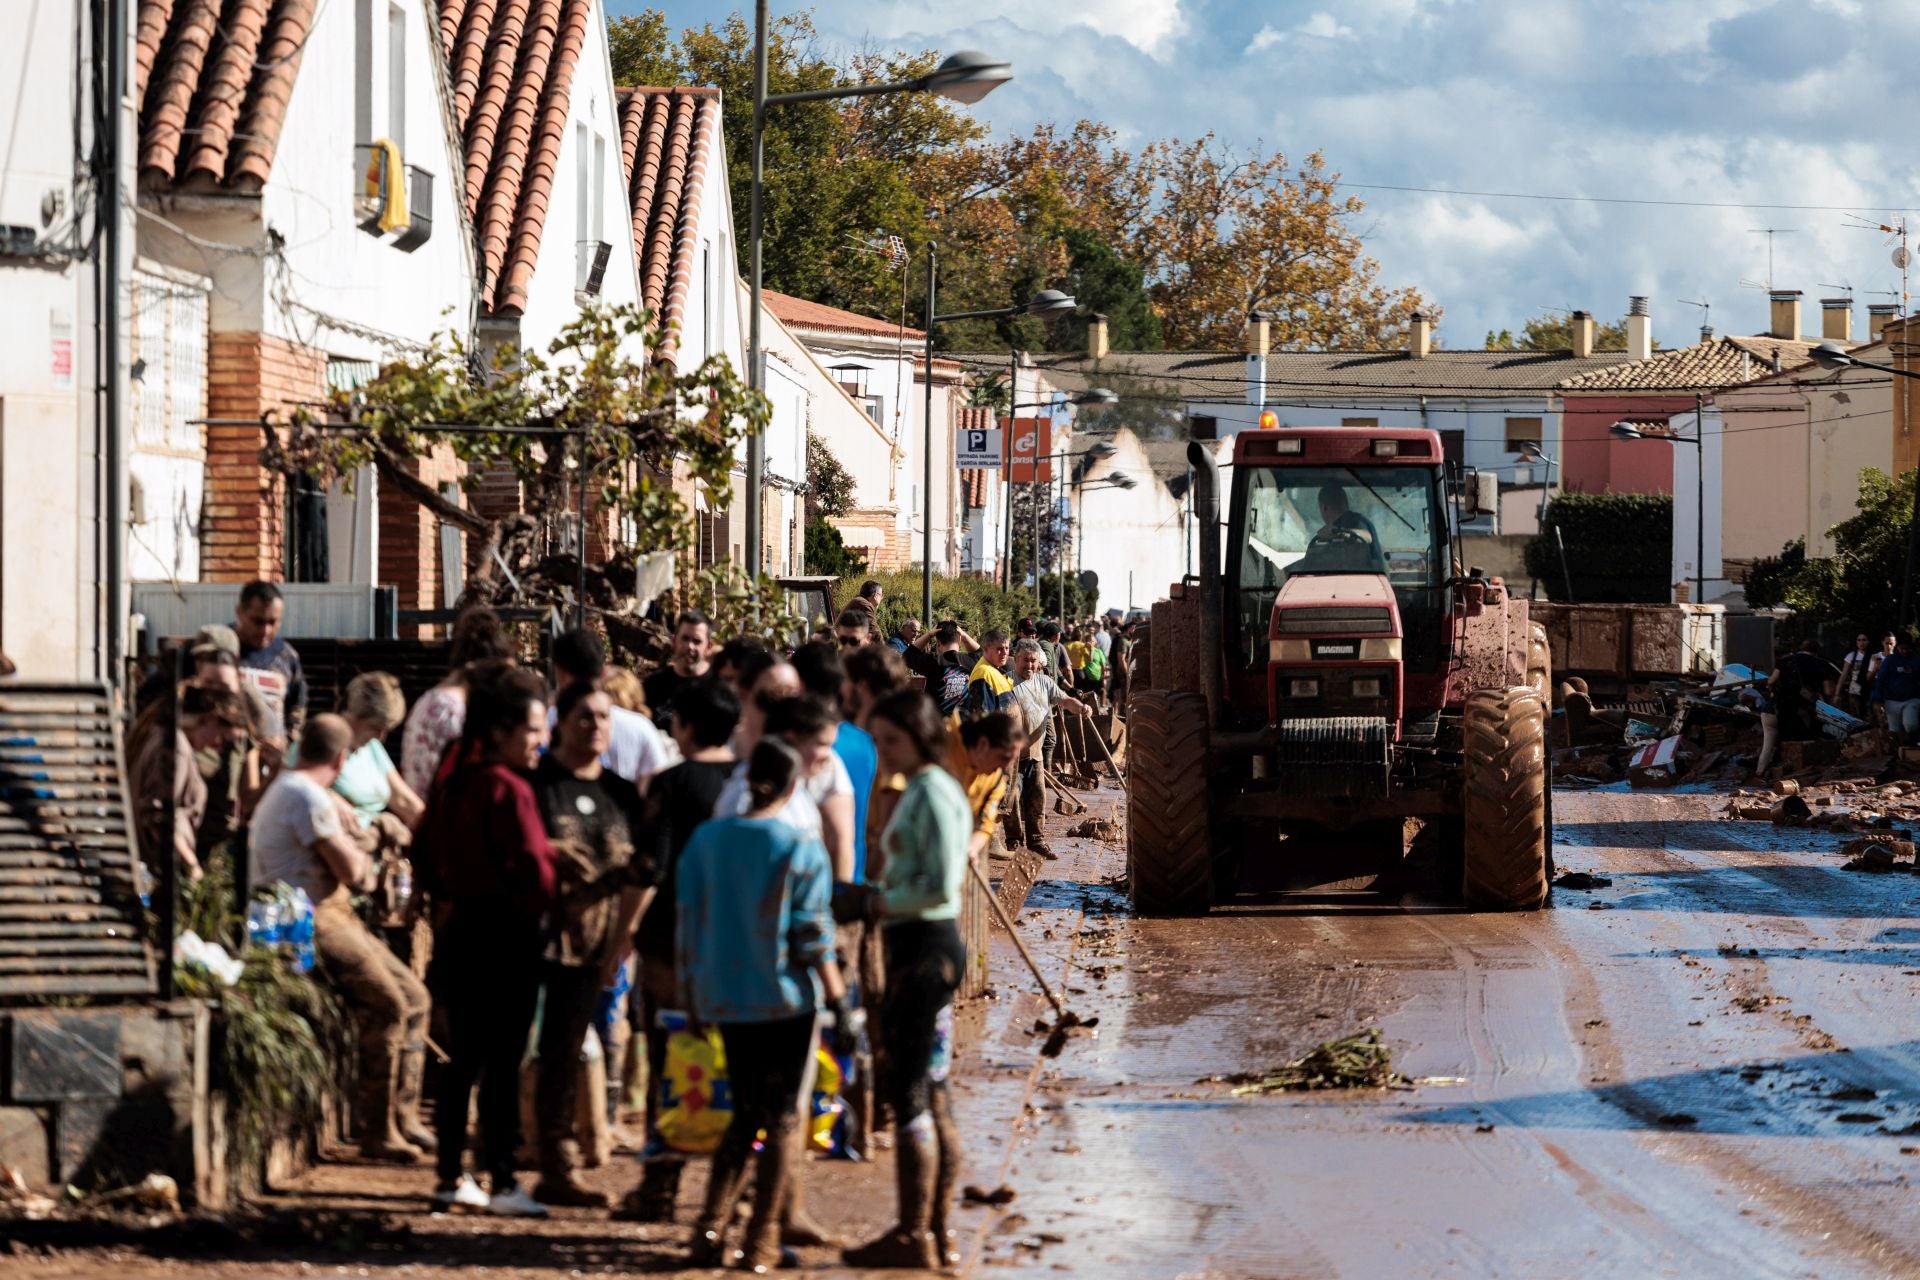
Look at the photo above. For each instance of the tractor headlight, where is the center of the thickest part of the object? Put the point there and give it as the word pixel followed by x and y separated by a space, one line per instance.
pixel 1303 688
pixel 1368 688
pixel 1290 650
pixel 1380 650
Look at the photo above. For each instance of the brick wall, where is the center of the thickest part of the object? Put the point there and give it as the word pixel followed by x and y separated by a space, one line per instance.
pixel 248 375
pixel 410 536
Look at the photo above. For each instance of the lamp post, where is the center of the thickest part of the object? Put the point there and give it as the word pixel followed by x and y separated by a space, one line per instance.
pixel 1100 449
pixel 1627 431
pixel 1112 480
pixel 964 77
pixel 1831 355
pixel 1046 304
pixel 1532 452
pixel 1091 398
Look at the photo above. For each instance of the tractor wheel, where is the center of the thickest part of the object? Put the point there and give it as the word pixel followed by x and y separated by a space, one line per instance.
pixel 1169 819
pixel 1506 800
pixel 1539 660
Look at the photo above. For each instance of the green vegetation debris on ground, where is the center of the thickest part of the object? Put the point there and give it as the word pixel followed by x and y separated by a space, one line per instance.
pixel 1358 1061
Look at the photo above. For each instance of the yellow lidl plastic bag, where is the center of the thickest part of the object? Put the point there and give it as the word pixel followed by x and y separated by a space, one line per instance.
pixel 827 1104
pixel 695 1103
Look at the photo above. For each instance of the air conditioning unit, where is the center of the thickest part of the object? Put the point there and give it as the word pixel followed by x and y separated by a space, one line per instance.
pixel 419 210
pixel 590 266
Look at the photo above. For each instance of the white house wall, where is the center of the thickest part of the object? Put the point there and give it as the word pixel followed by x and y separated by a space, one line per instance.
pixel 1134 539
pixel 51 466
pixel 341 287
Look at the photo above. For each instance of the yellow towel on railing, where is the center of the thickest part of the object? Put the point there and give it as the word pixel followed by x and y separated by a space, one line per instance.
pixel 386 181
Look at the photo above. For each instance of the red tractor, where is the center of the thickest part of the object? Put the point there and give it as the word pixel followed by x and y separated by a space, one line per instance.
pixel 1337 675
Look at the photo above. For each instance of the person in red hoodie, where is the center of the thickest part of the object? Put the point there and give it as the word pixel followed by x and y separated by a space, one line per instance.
pixel 483 856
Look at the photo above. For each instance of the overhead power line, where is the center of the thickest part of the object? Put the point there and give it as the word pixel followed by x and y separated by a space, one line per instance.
pixel 1665 204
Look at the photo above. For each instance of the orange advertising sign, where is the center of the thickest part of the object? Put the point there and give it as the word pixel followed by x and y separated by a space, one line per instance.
pixel 1029 438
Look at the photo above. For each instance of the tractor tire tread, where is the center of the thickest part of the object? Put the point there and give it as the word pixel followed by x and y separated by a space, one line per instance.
pixel 1505 800
pixel 1170 854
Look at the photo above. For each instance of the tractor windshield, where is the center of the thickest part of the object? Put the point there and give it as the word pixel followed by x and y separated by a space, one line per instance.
pixel 1302 520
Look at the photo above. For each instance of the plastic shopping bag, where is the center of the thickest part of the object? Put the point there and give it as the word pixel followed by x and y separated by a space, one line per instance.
pixel 695 1103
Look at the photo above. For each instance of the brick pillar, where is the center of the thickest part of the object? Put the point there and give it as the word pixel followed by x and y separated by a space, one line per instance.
pixel 410 537
pixel 248 375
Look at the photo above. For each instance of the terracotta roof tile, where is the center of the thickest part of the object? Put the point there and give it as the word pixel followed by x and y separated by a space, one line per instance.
pixel 817 315
pixel 512 64
pixel 667 140
pixel 213 82
pixel 1704 366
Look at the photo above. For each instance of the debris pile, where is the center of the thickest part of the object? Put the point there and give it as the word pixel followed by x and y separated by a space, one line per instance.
pixel 1700 731
pixel 1353 1062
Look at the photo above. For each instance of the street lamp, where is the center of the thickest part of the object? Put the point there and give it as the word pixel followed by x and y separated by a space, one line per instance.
pixel 1531 452
pixel 1627 431
pixel 1831 355
pixel 964 77
pixel 1046 304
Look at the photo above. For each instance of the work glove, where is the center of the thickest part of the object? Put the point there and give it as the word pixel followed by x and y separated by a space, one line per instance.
pixel 845 1036
pixel 852 902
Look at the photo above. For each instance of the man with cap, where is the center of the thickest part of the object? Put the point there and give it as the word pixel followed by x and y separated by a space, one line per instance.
pixel 232 771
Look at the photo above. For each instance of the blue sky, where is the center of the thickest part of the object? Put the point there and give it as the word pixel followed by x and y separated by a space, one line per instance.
pixel 1803 102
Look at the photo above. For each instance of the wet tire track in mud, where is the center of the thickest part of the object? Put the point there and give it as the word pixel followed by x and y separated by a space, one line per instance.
pixel 1642 1096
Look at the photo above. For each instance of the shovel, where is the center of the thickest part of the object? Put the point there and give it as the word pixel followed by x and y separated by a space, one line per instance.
pixel 1062 797
pixel 1063 1016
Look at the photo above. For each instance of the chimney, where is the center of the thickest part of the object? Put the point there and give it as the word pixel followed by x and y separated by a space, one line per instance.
pixel 1419 336
pixel 1878 314
pixel 1257 338
pixel 1836 319
pixel 1582 335
pixel 1786 314
pixel 1639 329
pixel 1097 337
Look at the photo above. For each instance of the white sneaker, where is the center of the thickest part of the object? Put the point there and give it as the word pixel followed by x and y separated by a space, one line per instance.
pixel 515 1204
pixel 465 1196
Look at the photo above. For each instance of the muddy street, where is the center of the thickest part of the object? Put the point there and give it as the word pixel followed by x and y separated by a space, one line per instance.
pixel 1704 1068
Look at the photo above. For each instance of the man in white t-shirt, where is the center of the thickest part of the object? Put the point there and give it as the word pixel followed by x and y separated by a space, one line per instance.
pixel 1036 694
pixel 636 750
pixel 296 837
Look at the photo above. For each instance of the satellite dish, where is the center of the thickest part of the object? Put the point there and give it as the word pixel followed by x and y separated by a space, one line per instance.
pixel 1901 257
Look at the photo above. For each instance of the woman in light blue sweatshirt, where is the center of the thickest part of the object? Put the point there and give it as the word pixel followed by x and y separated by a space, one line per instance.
pixel 755 931
pixel 917 902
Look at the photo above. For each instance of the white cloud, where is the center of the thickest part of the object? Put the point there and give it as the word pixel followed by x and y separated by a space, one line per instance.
pixel 1264 39
pixel 1324 26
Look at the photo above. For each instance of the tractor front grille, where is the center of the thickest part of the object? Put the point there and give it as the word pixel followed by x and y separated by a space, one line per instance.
pixel 1335 757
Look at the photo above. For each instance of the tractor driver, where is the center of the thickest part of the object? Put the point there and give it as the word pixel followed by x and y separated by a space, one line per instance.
pixel 1341 523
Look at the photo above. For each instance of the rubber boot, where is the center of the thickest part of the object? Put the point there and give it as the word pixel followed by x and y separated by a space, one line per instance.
pixel 406 1098
pixel 909 1244
pixel 797 1226
pixel 774 1191
pixel 1033 808
pixel 558 1186
pixel 380 1137
pixel 654 1199
pixel 946 1242
pixel 708 1248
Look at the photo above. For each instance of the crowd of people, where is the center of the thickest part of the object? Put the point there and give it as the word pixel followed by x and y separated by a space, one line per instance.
pixel 1878 683
pixel 769 844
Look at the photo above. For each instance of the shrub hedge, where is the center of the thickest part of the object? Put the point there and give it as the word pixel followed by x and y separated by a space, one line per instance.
pixel 1619 548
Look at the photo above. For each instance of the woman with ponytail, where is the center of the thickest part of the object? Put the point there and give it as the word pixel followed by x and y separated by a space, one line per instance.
pixel 755 941
pixel 916 900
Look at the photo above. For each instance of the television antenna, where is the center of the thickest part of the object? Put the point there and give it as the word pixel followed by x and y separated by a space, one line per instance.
pixel 1896 235
pixel 1770 233
pixel 1706 315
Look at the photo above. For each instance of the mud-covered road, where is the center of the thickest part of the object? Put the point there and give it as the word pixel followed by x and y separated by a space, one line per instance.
pixel 1703 1069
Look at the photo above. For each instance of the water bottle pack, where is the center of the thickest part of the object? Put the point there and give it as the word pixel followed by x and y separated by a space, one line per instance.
pixel 283 921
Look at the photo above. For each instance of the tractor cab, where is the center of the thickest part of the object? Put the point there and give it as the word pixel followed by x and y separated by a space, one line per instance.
pixel 1339 554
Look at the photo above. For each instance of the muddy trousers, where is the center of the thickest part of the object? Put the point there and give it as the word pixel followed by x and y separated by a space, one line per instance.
pixel 573 992
pixel 486 970
pixel 766 1067
pixel 1024 823
pixel 389 1007
pixel 924 962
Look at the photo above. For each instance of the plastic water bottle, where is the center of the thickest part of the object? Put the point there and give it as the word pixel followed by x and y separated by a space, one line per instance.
pixel 402 887
pixel 302 931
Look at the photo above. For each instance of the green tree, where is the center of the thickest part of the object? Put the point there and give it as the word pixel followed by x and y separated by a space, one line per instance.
pixel 1860 584
pixel 827 552
pixel 1554 332
pixel 829 485
pixel 1104 282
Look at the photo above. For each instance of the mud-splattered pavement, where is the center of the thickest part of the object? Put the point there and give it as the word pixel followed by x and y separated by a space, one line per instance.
pixel 1706 1068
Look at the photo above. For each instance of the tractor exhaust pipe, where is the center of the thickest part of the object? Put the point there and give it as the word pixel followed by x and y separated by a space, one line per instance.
pixel 1206 510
